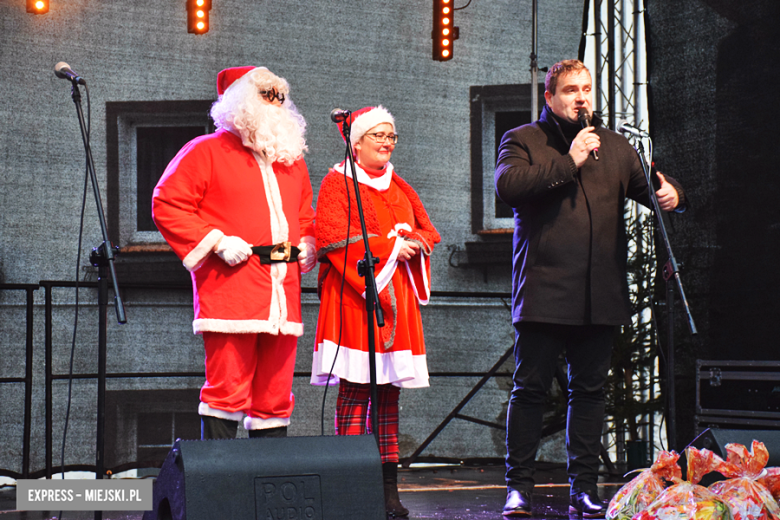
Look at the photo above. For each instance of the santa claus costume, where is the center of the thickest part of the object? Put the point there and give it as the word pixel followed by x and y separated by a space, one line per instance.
pixel 395 218
pixel 222 194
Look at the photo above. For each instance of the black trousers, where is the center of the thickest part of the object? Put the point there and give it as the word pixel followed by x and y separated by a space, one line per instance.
pixel 588 351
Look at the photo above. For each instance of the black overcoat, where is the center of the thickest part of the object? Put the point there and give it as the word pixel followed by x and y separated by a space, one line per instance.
pixel 569 253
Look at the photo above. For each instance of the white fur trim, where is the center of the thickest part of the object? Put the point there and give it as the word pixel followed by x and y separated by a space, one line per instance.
pixel 378 183
pixel 426 288
pixel 201 252
pixel 278 296
pixel 245 78
pixel 289 328
pixel 403 226
pixel 280 232
pixel 258 423
pixel 399 368
pixel 368 120
pixel 386 274
pixel 247 326
pixel 205 409
pixel 279 228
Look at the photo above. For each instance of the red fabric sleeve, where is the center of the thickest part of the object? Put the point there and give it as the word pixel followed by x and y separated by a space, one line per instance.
pixel 177 196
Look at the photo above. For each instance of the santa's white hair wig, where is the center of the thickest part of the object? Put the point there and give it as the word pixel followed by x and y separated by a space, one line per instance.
pixel 274 131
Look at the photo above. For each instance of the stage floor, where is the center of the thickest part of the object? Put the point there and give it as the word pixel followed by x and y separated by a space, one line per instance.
pixel 478 493
pixel 429 492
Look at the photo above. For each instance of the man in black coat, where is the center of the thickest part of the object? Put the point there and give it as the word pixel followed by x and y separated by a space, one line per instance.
pixel 567 186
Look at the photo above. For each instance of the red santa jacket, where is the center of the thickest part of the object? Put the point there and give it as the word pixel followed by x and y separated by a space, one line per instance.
pixel 214 187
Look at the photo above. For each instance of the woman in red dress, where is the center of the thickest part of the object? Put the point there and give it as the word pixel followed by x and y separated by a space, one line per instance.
pixel 402 236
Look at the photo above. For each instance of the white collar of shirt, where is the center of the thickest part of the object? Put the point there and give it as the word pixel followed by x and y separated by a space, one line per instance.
pixel 381 183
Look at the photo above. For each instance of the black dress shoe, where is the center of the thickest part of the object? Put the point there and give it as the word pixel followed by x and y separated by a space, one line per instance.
pixel 588 504
pixel 518 503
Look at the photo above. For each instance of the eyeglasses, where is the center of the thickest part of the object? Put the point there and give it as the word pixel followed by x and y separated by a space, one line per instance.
pixel 272 95
pixel 381 137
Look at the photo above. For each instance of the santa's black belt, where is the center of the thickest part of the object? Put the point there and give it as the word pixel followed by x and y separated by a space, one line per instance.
pixel 282 252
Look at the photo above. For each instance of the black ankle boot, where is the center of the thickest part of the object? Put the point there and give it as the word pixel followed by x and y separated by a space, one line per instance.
pixel 518 503
pixel 281 431
pixel 393 506
pixel 216 428
pixel 588 504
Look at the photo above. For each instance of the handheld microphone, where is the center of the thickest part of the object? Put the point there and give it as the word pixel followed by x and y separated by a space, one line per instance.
pixel 584 119
pixel 338 115
pixel 626 128
pixel 63 70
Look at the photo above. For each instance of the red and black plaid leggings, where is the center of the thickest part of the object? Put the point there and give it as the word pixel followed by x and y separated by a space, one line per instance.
pixel 352 415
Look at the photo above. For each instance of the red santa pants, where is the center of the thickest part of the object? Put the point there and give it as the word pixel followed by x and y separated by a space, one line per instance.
pixel 353 409
pixel 250 373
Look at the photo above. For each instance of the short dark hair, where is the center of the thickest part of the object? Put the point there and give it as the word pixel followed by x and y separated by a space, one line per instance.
pixel 560 69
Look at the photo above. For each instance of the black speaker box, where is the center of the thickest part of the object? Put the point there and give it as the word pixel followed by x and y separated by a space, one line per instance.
pixel 715 440
pixel 294 478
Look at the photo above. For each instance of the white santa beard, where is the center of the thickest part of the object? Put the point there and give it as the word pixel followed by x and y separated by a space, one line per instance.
pixel 274 131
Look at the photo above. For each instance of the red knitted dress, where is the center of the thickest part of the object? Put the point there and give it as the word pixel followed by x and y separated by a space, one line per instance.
pixel 393 213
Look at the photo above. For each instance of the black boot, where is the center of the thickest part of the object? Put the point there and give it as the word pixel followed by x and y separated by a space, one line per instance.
pixel 588 504
pixel 281 431
pixel 518 503
pixel 216 428
pixel 393 506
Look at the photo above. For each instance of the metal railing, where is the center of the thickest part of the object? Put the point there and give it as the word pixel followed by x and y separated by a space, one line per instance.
pixel 27 380
pixel 50 376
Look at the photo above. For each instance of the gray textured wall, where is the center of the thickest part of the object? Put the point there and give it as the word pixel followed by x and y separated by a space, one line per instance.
pixel 334 53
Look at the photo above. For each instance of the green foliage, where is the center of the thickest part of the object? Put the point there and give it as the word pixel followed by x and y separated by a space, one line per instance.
pixel 634 356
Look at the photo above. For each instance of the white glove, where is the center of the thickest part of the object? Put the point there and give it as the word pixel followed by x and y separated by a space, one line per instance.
pixel 307 258
pixel 233 250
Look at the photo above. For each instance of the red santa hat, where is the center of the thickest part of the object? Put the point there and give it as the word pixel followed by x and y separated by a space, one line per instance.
pixel 363 120
pixel 227 77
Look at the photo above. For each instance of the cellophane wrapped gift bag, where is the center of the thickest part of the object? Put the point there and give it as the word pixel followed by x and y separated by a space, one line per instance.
pixel 637 495
pixel 745 495
pixel 687 500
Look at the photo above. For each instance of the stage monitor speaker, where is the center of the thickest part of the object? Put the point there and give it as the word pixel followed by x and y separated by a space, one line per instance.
pixel 715 440
pixel 293 478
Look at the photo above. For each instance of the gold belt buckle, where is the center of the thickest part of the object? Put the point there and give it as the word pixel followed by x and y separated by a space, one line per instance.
pixel 281 252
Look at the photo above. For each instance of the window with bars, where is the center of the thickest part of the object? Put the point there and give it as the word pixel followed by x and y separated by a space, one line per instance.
pixel 142 138
pixel 494 109
pixel 142 425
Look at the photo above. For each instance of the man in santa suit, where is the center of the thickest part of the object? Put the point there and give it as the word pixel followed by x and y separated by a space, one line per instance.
pixel 236 207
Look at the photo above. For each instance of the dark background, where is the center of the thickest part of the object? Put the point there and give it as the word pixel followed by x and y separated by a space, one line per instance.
pixel 713 88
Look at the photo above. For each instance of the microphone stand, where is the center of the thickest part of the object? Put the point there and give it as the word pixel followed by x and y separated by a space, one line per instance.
pixel 103 258
pixel 366 269
pixel 671 274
